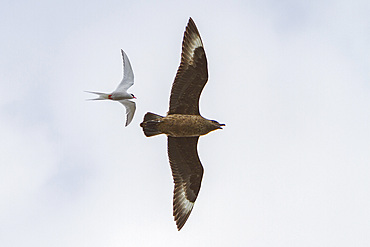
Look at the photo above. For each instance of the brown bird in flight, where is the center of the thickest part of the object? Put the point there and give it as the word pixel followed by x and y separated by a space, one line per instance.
pixel 183 124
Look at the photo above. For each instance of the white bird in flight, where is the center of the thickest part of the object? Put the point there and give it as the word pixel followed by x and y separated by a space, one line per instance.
pixel 120 94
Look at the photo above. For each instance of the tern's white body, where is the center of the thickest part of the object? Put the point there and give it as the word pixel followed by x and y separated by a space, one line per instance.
pixel 120 94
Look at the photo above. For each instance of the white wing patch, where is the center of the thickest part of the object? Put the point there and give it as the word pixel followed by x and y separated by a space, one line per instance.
pixel 194 41
pixel 182 207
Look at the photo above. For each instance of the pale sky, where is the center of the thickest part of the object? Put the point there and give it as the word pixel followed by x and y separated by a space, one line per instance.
pixel 290 79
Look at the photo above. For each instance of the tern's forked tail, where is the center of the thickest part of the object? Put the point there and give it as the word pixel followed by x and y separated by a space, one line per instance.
pixel 150 124
pixel 102 96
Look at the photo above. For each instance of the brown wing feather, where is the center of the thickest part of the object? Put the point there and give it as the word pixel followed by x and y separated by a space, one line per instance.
pixel 191 76
pixel 187 172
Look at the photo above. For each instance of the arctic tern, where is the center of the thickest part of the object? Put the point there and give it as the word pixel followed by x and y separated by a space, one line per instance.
pixel 120 94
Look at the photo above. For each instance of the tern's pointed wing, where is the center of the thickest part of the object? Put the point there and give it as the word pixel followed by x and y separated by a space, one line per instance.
pixel 187 172
pixel 130 110
pixel 128 74
pixel 191 76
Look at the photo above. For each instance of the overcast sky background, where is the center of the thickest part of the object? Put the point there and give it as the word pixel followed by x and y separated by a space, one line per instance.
pixel 290 79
